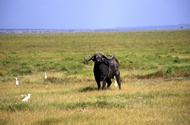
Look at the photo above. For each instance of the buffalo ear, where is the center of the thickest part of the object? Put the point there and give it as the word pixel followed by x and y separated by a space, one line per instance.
pixel 103 59
pixel 106 62
pixel 93 58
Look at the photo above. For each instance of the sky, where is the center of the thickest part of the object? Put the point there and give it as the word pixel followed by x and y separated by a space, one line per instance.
pixel 92 14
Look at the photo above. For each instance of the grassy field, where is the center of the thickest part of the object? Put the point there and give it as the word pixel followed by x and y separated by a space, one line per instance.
pixel 155 73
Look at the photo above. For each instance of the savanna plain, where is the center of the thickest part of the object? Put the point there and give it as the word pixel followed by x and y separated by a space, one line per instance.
pixel 155 74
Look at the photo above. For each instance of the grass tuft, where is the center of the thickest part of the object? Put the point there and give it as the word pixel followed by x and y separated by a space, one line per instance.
pixel 16 107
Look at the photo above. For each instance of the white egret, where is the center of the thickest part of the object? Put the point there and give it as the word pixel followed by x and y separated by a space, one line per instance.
pixel 17 83
pixel 45 75
pixel 26 98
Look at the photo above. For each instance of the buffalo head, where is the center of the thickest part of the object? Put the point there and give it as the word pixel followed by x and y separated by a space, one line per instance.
pixel 99 57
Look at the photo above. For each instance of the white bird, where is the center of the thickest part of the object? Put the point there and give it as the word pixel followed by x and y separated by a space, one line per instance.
pixel 26 98
pixel 115 83
pixel 45 76
pixel 17 83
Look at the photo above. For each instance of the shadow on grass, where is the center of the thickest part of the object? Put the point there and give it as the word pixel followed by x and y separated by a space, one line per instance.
pixel 88 89
pixel 48 121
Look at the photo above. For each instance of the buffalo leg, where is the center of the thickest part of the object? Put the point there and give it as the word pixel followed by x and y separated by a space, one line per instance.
pixel 109 82
pixel 104 84
pixel 118 81
pixel 99 85
pixel 98 82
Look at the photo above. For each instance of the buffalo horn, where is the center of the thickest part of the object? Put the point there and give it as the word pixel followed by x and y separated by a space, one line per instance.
pixel 108 57
pixel 88 59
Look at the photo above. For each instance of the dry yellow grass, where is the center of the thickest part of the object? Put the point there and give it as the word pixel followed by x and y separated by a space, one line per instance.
pixel 152 101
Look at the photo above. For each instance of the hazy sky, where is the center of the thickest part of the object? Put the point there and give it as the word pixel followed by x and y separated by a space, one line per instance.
pixel 91 14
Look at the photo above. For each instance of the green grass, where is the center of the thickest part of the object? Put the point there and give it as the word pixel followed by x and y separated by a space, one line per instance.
pixel 23 54
pixel 155 72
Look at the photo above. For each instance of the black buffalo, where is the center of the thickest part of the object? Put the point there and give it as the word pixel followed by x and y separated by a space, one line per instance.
pixel 105 68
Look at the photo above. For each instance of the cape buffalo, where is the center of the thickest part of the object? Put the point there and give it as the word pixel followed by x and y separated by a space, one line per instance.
pixel 105 68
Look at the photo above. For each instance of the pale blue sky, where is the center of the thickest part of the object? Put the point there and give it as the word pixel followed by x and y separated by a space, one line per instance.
pixel 91 14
